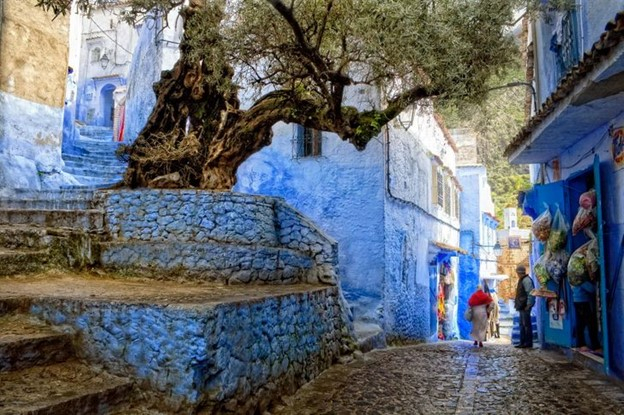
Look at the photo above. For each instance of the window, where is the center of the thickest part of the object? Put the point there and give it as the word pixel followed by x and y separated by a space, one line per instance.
pixel 456 204
pixel 564 41
pixel 308 141
pixel 95 55
pixel 440 185
pixel 447 197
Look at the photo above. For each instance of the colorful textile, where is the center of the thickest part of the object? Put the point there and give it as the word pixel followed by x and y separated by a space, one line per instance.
pixel 479 298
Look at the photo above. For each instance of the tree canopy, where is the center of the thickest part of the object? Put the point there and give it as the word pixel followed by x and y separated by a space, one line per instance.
pixel 299 57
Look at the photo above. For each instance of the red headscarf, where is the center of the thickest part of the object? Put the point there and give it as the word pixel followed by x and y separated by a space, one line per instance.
pixel 479 298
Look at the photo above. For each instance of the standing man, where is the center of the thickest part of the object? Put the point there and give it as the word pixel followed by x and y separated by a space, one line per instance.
pixel 524 303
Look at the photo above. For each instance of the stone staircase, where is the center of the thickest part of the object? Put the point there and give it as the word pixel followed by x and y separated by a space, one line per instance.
pixel 92 159
pixel 505 319
pixel 39 373
pixel 52 227
pixel 510 323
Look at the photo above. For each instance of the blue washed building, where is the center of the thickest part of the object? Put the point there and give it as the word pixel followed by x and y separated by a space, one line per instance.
pixel 478 225
pixel 575 142
pixel 393 208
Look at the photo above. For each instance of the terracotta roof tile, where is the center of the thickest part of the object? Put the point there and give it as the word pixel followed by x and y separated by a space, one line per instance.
pixel 613 36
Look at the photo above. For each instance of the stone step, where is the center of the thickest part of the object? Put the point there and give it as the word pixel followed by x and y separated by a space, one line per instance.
pixel 87 142
pixel 97 186
pixel 93 182
pixel 14 261
pixel 93 163
pixel 45 204
pixel 96 150
pixel 111 167
pixel 58 194
pixel 65 388
pixel 73 219
pixel 106 138
pixel 23 236
pixel 95 128
pixel 104 160
pixel 26 342
pixel 208 261
pixel 103 172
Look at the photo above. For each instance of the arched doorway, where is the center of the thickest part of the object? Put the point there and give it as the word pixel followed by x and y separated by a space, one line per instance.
pixel 107 105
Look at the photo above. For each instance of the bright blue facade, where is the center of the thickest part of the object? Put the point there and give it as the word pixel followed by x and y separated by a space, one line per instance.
pixel 378 205
pixel 581 123
pixel 477 236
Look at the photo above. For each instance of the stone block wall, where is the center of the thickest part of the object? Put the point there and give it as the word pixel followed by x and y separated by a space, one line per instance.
pixel 189 216
pixel 234 238
pixel 299 233
pixel 229 358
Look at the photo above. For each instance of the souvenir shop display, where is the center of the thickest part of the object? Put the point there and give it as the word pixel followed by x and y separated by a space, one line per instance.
pixel 586 215
pixel 556 265
pixel 539 270
pixel 541 225
pixel 558 232
pixel 577 266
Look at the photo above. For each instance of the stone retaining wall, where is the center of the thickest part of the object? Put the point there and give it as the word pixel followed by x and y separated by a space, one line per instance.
pixel 298 232
pixel 189 216
pixel 230 357
pixel 231 237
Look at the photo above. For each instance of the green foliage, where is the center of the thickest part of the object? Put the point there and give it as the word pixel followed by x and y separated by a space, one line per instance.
pixel 495 121
pixel 300 56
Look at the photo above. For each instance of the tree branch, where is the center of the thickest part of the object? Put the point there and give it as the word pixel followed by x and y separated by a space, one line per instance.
pixel 319 41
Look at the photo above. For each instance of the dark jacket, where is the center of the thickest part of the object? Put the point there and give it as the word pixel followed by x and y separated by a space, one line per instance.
pixel 523 296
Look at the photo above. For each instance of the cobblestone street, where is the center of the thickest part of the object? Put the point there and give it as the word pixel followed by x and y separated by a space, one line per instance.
pixel 456 378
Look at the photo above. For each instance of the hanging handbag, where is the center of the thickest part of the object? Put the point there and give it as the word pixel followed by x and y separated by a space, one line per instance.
pixel 468 314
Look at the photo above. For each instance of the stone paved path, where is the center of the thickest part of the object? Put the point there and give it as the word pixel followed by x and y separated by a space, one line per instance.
pixel 455 378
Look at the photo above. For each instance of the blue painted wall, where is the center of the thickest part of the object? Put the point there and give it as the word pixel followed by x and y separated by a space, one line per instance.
pixel 411 227
pixel 144 72
pixel 342 191
pixel 593 15
pixel 591 18
pixel 385 237
pixel 613 210
pixel 469 278
pixel 475 200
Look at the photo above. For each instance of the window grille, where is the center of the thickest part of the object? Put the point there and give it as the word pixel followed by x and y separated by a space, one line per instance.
pixel 308 142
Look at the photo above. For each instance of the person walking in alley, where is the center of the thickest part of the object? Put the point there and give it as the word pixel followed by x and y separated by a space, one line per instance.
pixel 494 326
pixel 524 303
pixel 481 304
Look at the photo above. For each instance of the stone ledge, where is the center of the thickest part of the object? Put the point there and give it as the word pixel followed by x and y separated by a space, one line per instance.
pixel 208 261
pixel 230 348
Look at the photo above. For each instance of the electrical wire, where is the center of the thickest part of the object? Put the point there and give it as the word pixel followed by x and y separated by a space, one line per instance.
pixel 586 154
pixel 108 36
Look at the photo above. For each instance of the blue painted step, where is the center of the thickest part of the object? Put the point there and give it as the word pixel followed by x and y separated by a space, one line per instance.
pixel 515 333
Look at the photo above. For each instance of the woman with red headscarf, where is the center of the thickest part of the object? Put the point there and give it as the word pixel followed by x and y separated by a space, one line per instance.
pixel 481 303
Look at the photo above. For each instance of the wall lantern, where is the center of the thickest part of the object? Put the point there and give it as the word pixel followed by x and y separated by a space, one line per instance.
pixel 406 118
pixel 104 61
pixel 498 250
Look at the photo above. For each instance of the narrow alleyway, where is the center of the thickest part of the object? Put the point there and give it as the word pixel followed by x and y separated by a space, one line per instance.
pixel 455 378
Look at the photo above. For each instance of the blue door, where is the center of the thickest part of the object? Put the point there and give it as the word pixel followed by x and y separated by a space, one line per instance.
pixel 556 319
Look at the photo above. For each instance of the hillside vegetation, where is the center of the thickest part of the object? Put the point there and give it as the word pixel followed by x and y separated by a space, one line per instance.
pixel 495 122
